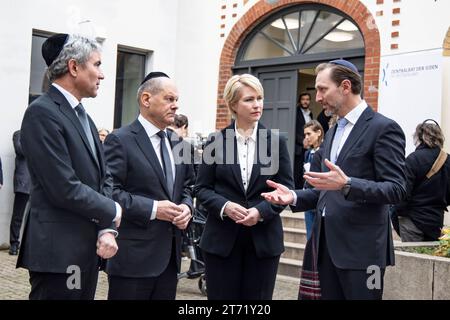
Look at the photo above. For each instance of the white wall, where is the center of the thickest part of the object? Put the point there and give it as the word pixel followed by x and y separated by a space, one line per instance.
pixel 197 62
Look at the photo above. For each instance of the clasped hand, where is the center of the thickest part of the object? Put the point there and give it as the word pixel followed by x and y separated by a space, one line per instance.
pixel 241 215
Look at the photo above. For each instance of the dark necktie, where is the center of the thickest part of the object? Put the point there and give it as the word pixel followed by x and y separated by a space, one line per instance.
pixel 166 163
pixel 82 116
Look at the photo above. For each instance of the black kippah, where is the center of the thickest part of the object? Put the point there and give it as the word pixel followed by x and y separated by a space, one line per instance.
pixel 155 74
pixel 52 47
pixel 346 64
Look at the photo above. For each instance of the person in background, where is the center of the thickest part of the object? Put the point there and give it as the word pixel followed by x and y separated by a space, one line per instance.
pixel 102 133
pixel 314 138
pixel 22 186
pixel 303 116
pixel 243 236
pixel 324 120
pixel 180 125
pixel 421 213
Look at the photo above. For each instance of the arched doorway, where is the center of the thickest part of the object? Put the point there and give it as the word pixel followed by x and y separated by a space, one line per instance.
pixel 282 43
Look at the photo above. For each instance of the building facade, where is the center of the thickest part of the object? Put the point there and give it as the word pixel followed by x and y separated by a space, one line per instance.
pixel 401 47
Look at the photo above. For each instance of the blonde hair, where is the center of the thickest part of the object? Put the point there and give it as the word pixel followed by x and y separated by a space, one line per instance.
pixel 231 94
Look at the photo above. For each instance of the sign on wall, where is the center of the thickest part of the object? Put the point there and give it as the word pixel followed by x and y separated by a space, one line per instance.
pixel 411 90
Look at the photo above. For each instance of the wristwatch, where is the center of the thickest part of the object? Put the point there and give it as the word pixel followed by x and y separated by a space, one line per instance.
pixel 346 188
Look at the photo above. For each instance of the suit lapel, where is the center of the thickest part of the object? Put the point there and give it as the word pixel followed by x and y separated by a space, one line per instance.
pixel 146 147
pixel 356 134
pixel 68 111
pixel 235 166
pixel 256 169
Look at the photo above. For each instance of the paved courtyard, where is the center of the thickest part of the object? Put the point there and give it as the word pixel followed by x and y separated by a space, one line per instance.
pixel 14 283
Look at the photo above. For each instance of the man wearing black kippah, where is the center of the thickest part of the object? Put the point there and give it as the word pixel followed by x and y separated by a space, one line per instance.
pixel 363 172
pixel 152 182
pixel 72 220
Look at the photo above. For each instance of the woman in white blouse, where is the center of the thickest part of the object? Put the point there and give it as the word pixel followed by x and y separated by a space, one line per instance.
pixel 243 237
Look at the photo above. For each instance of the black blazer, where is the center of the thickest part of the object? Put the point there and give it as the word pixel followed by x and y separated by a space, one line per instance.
pixel 21 174
pixel 219 182
pixel 358 226
pixel 69 202
pixel 299 131
pixel 426 199
pixel 145 245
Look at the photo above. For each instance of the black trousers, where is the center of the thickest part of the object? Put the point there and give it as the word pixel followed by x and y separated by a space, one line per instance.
pixel 343 284
pixel 57 286
pixel 241 275
pixel 162 287
pixel 20 202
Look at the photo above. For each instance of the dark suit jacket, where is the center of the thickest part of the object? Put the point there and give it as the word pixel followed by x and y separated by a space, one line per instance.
pixel 358 226
pixel 426 199
pixel 68 202
pixel 22 181
pixel 220 182
pixel 299 132
pixel 145 245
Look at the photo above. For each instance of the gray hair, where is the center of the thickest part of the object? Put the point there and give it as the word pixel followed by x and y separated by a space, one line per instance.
pixel 154 86
pixel 78 48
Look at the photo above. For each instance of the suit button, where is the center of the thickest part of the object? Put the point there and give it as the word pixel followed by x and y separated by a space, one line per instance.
pixel 94 220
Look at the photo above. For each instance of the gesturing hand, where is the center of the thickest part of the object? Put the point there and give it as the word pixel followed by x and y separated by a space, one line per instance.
pixel 281 195
pixel 334 179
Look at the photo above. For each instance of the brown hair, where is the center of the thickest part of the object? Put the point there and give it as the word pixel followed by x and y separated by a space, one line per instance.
pixel 429 134
pixel 180 121
pixel 315 126
pixel 340 73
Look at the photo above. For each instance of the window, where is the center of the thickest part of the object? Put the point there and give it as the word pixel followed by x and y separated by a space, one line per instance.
pixel 130 73
pixel 303 31
pixel 38 72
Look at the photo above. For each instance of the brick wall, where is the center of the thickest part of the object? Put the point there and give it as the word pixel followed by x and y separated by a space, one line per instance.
pixel 353 8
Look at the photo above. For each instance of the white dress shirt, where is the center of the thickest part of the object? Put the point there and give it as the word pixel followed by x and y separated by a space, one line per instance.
pixel 246 147
pixel 74 103
pixel 152 131
pixel 306 115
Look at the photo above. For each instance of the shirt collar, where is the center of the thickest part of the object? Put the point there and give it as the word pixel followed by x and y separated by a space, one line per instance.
pixel 240 137
pixel 354 115
pixel 149 127
pixel 69 97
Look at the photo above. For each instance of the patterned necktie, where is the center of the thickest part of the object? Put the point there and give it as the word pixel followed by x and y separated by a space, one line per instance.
pixel 341 123
pixel 166 163
pixel 82 116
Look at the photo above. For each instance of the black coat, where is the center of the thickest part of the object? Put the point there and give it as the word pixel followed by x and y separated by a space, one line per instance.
pixel 426 199
pixel 70 190
pixel 220 182
pixel 145 245
pixel 22 181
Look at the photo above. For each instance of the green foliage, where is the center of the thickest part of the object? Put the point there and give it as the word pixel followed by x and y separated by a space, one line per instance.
pixel 444 244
